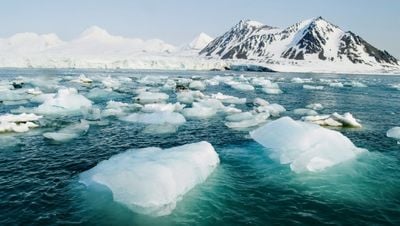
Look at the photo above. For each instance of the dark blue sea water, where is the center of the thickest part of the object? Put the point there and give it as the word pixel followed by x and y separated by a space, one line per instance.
pixel 39 179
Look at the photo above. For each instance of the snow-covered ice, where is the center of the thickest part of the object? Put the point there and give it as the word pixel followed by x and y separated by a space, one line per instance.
pixel 152 180
pixel 305 146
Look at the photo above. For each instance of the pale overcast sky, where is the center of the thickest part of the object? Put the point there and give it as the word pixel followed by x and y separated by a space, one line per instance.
pixel 179 21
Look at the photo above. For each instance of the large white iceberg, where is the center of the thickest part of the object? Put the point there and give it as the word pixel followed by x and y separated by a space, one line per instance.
pixel 305 146
pixel 152 180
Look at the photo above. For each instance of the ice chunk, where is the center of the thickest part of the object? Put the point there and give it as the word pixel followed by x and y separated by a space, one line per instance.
pixel 111 83
pixel 151 97
pixel 315 106
pixel 394 133
pixel 68 133
pixel 260 102
pixel 241 86
pixel 65 101
pixel 199 111
pixel 239 117
pixel 198 85
pixel 305 146
pixel 188 96
pixel 228 99
pixel 18 123
pixel 304 111
pixel 346 119
pixel 151 180
pixel 334 119
pixel 269 90
pixel 336 84
pixel 273 109
pixel 356 84
pixel 162 107
pixel 156 118
pixel 313 87
pixel 252 121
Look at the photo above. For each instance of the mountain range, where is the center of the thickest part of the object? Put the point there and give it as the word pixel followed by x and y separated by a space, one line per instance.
pixel 310 40
pixel 313 45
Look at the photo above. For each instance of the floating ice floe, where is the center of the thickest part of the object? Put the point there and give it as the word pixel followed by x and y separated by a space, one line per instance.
pixel 83 79
pixel 18 123
pixel 34 91
pixel 356 84
pixel 240 86
pixel 152 180
pixel 299 80
pixel 188 96
pixel 199 111
pixel 65 101
pixel 273 109
pixel 173 118
pixel 305 146
pixel 271 88
pixel 394 133
pixel 111 83
pixel 68 133
pixel 197 85
pixel 336 84
pixel 315 106
pixel 304 111
pixel 335 120
pixel 244 120
pixel 156 107
pixel 228 99
pixel 313 87
pixel 151 97
pixel 260 102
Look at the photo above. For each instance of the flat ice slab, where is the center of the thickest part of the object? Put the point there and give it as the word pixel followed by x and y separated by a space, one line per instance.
pixel 151 180
pixel 305 146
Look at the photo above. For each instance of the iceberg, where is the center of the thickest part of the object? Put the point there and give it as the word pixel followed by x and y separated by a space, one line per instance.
pixel 152 180
pixel 156 107
pixel 197 85
pixel 335 120
pixel 305 146
pixel 273 109
pixel 304 111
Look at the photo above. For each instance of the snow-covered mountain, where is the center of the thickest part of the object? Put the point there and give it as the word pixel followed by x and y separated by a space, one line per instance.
pixel 200 41
pixel 312 40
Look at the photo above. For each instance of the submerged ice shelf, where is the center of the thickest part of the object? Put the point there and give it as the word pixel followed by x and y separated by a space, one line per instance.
pixel 152 180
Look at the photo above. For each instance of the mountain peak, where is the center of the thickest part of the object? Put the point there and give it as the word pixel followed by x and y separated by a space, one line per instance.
pixel 94 31
pixel 200 41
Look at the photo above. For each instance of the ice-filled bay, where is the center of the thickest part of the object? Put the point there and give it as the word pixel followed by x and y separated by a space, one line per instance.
pixel 129 110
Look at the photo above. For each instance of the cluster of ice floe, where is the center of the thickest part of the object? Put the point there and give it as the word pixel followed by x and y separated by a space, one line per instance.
pixel 152 180
pixel 334 120
pixel 18 123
